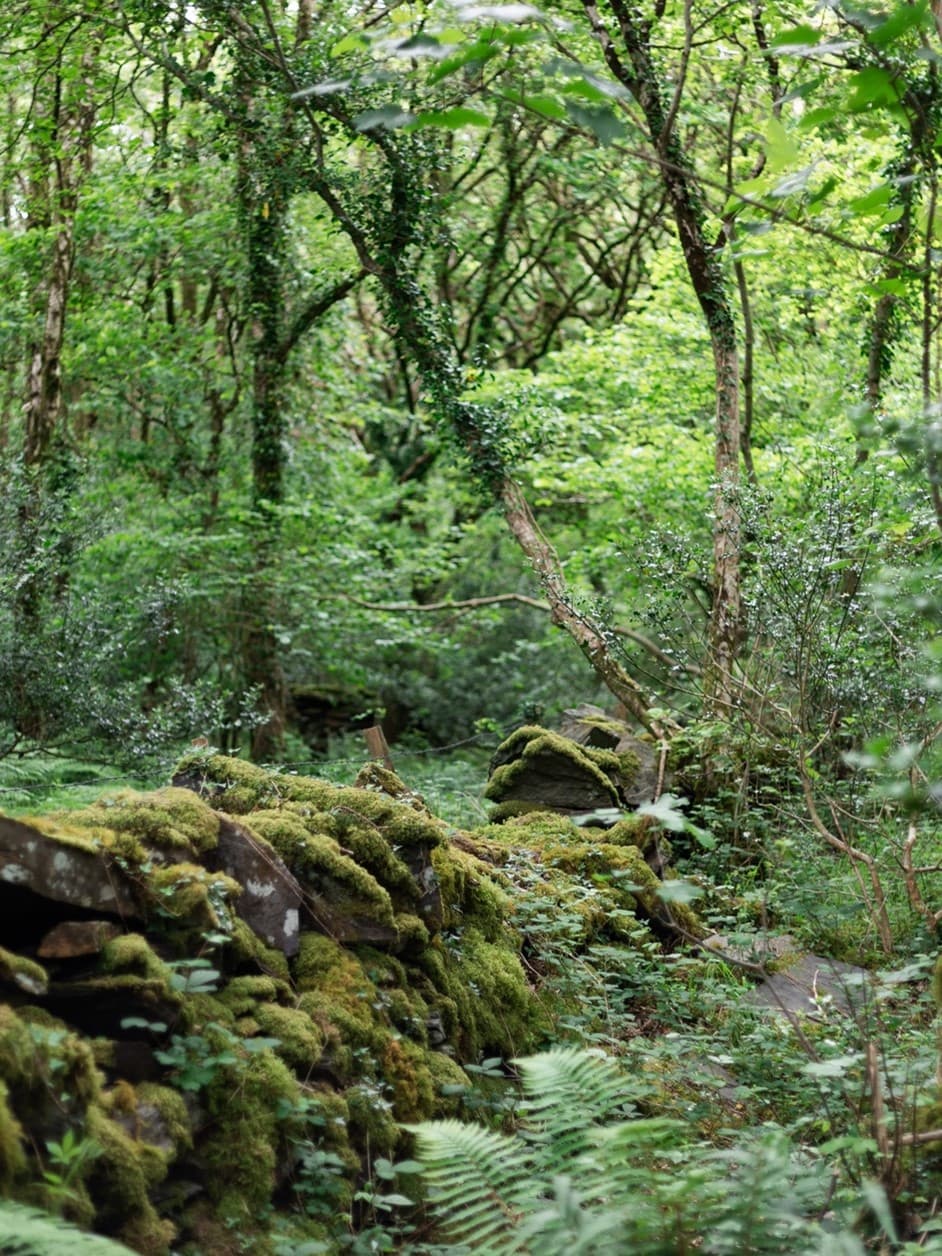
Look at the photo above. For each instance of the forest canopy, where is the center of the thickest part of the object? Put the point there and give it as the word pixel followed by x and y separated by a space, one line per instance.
pixel 450 362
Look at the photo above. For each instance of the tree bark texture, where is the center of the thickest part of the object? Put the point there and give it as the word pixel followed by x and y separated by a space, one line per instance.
pixel 63 131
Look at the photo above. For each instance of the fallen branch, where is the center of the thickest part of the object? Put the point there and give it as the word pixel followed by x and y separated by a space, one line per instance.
pixel 468 604
pixel 915 1140
pixel 498 599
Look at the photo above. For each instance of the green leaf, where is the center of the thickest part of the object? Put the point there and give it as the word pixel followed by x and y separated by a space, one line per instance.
pixel 354 42
pixel 667 812
pixel 797 39
pixel 837 1066
pixel 540 103
pixel 477 53
pixel 904 18
pixel 873 86
pixel 600 121
pixel 450 119
pixel 780 150
pixel 678 891
pixel 874 201
pixel 26 1231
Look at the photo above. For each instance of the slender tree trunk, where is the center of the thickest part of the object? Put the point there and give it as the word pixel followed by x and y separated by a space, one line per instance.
pixel 440 373
pixel 262 210
pixel 633 65
pixel 63 122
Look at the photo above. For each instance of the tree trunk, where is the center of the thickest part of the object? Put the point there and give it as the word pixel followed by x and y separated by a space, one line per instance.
pixel 63 122
pixel 640 76
pixel 263 208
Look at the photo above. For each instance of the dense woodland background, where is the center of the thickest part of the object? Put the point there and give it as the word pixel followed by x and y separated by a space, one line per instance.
pixel 302 308
pixel 450 364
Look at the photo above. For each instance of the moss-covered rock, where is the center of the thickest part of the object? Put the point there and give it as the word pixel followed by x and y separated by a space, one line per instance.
pixel 536 765
pixel 318 863
pixel 244 1139
pixel 13 1162
pixel 25 974
pixel 174 820
pixel 473 890
pixel 119 1181
pixel 194 895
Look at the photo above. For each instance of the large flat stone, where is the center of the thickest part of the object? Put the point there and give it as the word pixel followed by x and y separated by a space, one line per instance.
pixel 271 898
pixel 811 984
pixel 63 872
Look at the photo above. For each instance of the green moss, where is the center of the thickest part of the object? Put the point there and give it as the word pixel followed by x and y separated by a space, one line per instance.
pixel 371 1122
pixel 301 1040
pixel 193 894
pixel 338 994
pixel 24 973
pixel 62 827
pixel 624 870
pixel 132 953
pixel 317 959
pixel 316 859
pixel 169 818
pixel 246 947
pixel 533 828
pixel 412 930
pixel 635 830
pixel 512 808
pixel 245 1138
pixel 629 762
pixel 471 891
pixel 489 1007
pixel 12 1155
pixel 41 1060
pixel 450 1082
pixel 530 741
pixel 405 1069
pixel 173 1111
pixel 242 994
pixel 371 849
pixel 382 780
pixel 233 784
pixel 119 1180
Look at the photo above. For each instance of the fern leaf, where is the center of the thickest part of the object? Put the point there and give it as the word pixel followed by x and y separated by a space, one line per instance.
pixel 482 1181
pixel 27 1231
pixel 569 1092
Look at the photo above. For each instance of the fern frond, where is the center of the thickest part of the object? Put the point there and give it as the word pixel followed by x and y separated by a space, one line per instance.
pixel 28 1231
pixel 482 1181
pixel 569 1093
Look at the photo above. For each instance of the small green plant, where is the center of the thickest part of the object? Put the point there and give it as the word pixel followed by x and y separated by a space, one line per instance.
pixel 67 1157
pixel 196 1059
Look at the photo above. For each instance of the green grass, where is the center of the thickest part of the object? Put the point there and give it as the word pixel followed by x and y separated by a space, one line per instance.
pixel 51 783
